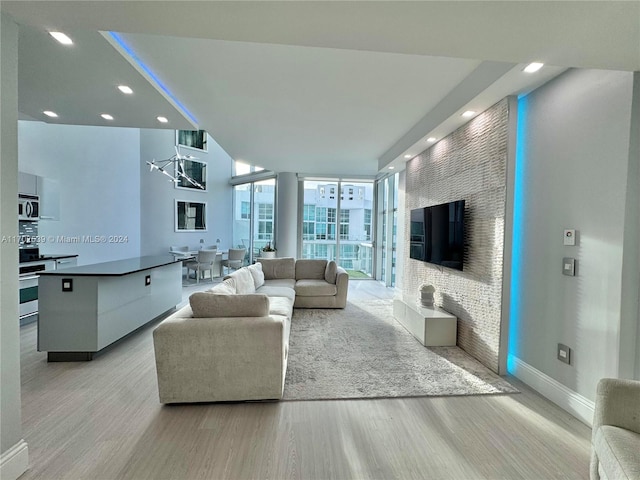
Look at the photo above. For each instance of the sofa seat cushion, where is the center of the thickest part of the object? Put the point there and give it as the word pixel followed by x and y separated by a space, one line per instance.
pixel 274 292
pixel 315 288
pixel 281 282
pixel 244 281
pixel 310 268
pixel 617 450
pixel 280 306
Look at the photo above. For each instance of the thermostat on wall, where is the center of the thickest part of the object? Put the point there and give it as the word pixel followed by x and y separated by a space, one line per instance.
pixel 570 237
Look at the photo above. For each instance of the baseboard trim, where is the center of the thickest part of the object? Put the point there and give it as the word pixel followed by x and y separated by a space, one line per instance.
pixel 15 461
pixel 580 407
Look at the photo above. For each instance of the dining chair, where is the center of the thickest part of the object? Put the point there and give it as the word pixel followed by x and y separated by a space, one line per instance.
pixel 181 252
pixel 235 258
pixel 204 261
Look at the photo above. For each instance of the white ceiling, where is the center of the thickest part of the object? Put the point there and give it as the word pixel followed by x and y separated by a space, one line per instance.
pixel 315 87
pixel 80 82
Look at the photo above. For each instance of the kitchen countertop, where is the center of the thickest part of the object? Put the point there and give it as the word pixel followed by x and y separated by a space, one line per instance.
pixel 115 268
pixel 46 256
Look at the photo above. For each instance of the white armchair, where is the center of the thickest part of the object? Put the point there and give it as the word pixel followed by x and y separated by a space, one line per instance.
pixel 615 441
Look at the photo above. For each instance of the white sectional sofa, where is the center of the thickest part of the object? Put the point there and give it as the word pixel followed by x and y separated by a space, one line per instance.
pixel 231 343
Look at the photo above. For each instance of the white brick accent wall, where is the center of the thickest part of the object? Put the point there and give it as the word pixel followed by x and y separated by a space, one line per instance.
pixel 469 164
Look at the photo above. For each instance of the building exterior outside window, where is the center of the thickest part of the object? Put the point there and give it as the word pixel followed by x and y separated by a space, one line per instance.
pixel 245 210
pixel 253 218
pixel 343 235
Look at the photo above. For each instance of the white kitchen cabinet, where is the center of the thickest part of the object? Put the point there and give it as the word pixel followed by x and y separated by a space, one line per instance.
pixel 27 183
pixel 48 190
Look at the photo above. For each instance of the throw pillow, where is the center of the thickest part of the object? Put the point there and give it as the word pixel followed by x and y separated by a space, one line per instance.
pixel 331 272
pixel 243 281
pixel 257 274
pixel 228 287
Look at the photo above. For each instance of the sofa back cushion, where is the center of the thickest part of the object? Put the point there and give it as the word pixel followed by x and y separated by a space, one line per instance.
pixel 257 274
pixel 331 272
pixel 244 281
pixel 310 269
pixel 208 304
pixel 275 268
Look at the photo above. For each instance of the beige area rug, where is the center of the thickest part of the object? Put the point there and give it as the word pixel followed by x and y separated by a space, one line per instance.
pixel 363 352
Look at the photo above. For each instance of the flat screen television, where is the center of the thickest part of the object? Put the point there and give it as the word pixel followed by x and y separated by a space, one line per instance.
pixel 437 234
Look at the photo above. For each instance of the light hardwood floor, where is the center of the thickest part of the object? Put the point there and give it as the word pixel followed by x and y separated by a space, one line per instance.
pixel 102 420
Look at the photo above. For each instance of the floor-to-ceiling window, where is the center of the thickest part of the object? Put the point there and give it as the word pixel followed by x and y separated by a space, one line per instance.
pixel 254 210
pixel 337 224
pixel 387 191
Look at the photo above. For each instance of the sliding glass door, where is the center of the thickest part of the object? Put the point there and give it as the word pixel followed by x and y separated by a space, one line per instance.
pixel 254 216
pixel 387 192
pixel 336 224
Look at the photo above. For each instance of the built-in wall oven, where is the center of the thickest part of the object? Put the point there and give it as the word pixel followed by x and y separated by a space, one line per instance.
pixel 29 285
pixel 28 295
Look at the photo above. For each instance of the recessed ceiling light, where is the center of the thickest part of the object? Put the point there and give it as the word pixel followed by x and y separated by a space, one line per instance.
pixel 407 156
pixel 431 139
pixel 533 67
pixel 106 116
pixel 162 119
pixel 468 113
pixel 49 113
pixel 125 89
pixel 391 168
pixel 62 38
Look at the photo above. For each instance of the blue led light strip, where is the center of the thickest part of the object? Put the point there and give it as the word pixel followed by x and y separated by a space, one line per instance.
pixel 152 75
pixel 517 246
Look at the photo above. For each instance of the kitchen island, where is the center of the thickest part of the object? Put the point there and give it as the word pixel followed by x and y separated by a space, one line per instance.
pixel 84 309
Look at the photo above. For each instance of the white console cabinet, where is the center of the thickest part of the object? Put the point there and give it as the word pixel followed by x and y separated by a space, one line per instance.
pixel 432 326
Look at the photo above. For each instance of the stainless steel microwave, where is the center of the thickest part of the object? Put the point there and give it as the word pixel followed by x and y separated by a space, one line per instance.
pixel 28 207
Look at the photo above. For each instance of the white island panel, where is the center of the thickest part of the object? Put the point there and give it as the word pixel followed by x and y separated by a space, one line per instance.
pixel 107 302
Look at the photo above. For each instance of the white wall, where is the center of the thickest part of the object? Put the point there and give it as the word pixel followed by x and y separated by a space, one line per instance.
pixel 13 450
pixel 630 321
pixel 98 172
pixel 158 195
pixel 469 164
pixel 574 164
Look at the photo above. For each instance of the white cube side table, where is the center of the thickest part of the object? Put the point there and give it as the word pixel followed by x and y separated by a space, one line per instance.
pixel 432 326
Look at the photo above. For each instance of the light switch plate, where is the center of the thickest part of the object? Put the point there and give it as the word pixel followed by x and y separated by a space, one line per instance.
pixel 67 284
pixel 569 266
pixel 564 353
pixel 570 237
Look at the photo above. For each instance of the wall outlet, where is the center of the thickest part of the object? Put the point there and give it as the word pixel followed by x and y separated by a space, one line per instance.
pixel 564 354
pixel 569 266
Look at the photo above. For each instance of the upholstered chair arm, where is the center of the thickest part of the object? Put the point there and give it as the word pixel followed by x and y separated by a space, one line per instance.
pixel 617 404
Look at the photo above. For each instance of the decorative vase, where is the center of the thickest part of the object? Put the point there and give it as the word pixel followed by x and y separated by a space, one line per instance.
pixel 264 254
pixel 426 295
